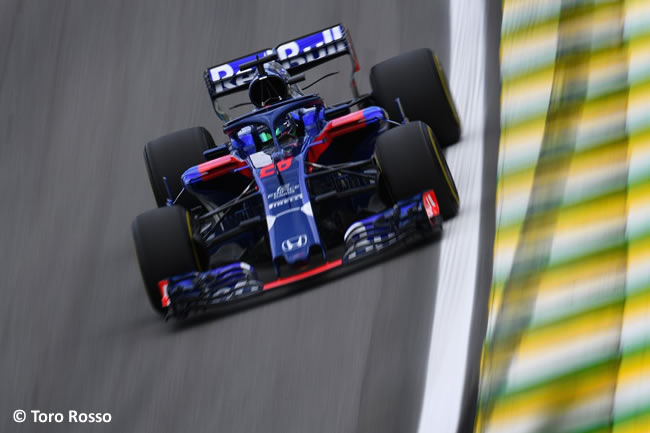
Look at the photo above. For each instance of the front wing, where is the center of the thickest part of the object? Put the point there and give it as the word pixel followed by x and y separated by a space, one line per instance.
pixel 409 221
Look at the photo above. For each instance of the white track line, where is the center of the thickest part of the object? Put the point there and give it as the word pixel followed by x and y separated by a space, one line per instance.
pixel 459 246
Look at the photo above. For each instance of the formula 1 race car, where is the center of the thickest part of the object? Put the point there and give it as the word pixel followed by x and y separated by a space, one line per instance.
pixel 300 188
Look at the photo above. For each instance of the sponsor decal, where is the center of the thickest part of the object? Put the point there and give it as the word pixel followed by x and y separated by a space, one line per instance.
pixel 294 53
pixel 285 201
pixel 162 286
pixel 294 242
pixel 430 204
pixel 223 76
pixel 283 191
pixel 308 49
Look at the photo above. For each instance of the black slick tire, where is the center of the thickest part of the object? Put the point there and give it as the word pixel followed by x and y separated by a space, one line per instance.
pixel 411 161
pixel 417 79
pixel 164 247
pixel 169 156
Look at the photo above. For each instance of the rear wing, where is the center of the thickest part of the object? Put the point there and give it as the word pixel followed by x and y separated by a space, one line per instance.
pixel 296 56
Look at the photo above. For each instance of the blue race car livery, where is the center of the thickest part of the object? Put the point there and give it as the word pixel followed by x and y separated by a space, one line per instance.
pixel 301 188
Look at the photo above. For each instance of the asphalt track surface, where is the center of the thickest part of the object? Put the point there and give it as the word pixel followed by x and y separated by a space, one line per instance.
pixel 83 85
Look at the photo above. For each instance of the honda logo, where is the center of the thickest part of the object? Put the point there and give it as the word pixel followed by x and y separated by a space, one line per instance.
pixel 294 242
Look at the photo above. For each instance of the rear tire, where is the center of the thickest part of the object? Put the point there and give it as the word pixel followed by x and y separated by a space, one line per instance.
pixel 164 247
pixel 418 80
pixel 169 156
pixel 411 162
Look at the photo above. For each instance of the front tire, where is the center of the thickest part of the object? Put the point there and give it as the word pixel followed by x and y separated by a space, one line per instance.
pixel 418 80
pixel 411 162
pixel 164 247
